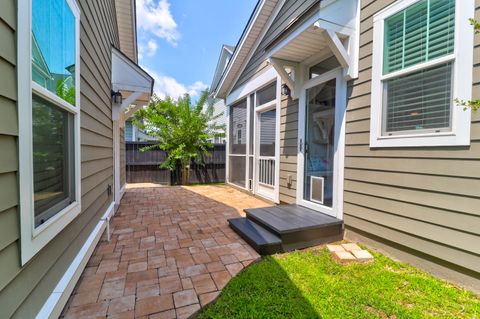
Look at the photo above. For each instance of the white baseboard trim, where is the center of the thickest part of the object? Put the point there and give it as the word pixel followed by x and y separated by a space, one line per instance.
pixel 53 307
pixel 122 191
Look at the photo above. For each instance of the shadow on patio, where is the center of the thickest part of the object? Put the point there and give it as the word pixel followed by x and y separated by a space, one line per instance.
pixel 171 251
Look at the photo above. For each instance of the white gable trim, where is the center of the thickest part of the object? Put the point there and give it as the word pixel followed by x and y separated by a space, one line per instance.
pixel 252 85
pixel 224 88
pixel 257 43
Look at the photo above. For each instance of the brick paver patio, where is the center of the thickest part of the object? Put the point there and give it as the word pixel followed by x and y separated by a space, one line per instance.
pixel 171 252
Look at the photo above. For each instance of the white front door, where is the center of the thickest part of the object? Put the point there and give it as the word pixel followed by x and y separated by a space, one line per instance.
pixel 321 143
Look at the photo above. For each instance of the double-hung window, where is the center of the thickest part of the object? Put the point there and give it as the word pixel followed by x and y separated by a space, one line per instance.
pixel 422 61
pixel 49 145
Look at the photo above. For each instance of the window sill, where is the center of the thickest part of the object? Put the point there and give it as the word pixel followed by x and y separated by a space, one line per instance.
pixel 73 209
pixel 35 239
pixel 420 140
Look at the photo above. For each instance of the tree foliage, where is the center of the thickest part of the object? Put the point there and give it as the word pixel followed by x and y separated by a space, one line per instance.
pixel 474 105
pixel 65 92
pixel 183 129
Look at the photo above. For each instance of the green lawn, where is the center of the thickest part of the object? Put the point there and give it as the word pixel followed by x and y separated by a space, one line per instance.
pixel 309 284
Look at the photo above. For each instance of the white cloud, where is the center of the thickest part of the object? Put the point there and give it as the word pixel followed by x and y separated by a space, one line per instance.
pixel 155 17
pixel 167 85
pixel 196 88
pixel 150 49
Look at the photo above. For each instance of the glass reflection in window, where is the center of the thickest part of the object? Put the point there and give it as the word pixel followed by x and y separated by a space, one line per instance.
pixel 53 47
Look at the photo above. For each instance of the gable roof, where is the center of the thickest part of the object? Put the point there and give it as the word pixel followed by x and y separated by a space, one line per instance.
pixel 225 55
pixel 260 20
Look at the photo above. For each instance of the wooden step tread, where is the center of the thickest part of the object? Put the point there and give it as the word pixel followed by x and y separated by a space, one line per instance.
pixel 262 240
pixel 283 219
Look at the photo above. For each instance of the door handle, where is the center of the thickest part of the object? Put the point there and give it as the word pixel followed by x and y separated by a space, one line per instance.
pixel 300 145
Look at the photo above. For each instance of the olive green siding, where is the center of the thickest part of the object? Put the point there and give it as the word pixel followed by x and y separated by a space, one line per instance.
pixel 424 199
pixel 23 290
pixel 9 214
pixel 288 149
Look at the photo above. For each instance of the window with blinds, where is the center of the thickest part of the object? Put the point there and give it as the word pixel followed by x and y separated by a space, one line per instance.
pixel 420 99
pixel 420 33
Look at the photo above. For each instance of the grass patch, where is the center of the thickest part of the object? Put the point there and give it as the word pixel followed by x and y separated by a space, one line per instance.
pixel 309 284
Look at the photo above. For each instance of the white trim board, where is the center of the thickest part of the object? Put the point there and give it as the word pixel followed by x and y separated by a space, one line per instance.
pixel 222 91
pixel 57 300
pixel 339 157
pixel 462 58
pixel 253 85
pixel 33 239
pixel 259 39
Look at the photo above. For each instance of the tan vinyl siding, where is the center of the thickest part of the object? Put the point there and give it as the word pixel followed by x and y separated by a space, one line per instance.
pixel 126 28
pixel 123 163
pixel 288 149
pixel 425 199
pixel 290 10
pixel 23 290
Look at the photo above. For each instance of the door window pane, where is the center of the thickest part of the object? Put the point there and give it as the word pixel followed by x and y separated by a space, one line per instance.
pixel 238 128
pixel 320 142
pixel 267 133
pixel 53 47
pixel 52 159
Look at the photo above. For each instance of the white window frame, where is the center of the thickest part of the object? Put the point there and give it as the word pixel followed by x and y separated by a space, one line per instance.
pixel 462 58
pixel 33 239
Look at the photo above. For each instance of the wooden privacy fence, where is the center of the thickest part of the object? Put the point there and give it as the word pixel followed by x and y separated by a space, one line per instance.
pixel 144 167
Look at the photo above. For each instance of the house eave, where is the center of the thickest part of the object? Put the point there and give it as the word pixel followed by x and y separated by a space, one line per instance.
pixel 261 18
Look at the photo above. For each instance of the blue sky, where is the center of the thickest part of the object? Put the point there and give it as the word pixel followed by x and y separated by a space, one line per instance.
pixel 179 41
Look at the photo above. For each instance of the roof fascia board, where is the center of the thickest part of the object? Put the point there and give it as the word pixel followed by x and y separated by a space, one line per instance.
pixel 242 42
pixel 134 24
pixel 257 43
pixel 220 66
pixel 240 46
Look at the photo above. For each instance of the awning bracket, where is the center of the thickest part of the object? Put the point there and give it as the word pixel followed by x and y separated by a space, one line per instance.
pixel 279 66
pixel 337 48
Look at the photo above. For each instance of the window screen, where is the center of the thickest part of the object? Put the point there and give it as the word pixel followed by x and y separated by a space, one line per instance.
pixel 238 126
pixel 419 101
pixel 420 33
pixel 267 94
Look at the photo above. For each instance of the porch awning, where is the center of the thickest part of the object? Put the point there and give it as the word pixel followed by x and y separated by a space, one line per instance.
pixel 331 30
pixel 134 83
